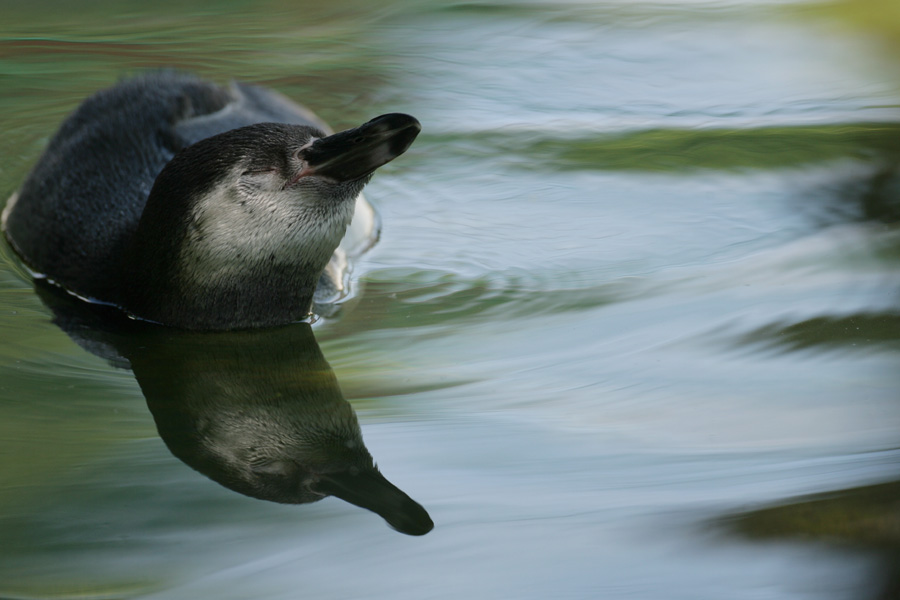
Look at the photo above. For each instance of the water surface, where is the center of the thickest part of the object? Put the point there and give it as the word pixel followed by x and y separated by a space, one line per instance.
pixel 638 274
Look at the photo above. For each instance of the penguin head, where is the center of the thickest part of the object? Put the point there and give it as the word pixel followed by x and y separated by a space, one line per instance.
pixel 297 164
pixel 307 164
pixel 243 223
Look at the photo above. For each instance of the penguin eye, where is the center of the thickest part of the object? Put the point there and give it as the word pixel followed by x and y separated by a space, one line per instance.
pixel 300 153
pixel 262 171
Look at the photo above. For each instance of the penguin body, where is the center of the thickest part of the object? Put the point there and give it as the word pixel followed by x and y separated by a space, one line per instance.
pixel 200 206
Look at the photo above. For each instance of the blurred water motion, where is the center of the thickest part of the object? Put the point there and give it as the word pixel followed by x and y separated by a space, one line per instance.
pixel 638 275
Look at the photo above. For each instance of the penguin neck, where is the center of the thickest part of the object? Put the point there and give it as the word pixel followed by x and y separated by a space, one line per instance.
pixel 224 263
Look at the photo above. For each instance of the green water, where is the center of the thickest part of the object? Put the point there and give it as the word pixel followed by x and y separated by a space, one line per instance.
pixel 638 274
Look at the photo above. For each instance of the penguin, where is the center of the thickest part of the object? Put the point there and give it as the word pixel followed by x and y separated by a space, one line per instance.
pixel 199 206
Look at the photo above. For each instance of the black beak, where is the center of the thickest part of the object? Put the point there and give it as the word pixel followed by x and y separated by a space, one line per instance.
pixel 357 152
pixel 369 489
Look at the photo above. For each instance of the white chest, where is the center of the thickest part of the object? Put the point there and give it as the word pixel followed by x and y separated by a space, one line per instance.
pixel 231 234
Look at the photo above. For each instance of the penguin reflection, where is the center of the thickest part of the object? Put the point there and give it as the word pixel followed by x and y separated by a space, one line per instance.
pixel 259 412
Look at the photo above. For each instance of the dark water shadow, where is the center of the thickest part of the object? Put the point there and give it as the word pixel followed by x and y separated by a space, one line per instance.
pixel 872 198
pixel 258 411
pixel 878 194
pixel 864 518
pixel 865 330
pixel 868 193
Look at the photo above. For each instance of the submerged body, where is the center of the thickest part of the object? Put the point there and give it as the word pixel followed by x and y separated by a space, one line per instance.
pixel 200 206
